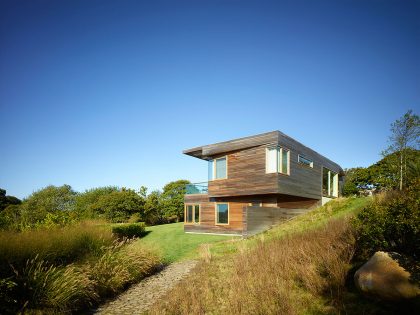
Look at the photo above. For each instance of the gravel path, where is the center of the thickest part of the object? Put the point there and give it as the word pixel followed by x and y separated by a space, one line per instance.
pixel 140 297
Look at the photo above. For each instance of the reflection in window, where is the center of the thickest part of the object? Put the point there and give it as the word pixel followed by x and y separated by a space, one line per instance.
pixel 277 160
pixel 222 213
pixel 303 160
pixel 329 183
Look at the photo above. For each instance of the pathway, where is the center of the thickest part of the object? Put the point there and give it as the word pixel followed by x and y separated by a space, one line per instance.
pixel 140 297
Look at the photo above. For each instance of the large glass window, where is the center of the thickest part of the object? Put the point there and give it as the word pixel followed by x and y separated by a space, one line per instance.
pixel 220 168
pixel 192 214
pixel 222 213
pixel 329 183
pixel 217 168
pixel 277 160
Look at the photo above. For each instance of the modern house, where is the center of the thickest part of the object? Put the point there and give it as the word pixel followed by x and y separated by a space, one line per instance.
pixel 254 182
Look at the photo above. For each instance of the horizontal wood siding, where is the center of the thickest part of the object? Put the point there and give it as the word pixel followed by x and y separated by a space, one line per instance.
pixel 246 175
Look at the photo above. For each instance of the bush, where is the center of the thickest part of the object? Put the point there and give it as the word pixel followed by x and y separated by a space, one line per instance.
pixel 129 230
pixel 390 223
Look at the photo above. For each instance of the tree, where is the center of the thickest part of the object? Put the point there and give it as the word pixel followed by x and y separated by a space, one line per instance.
pixel 153 210
pixel 173 198
pixel 118 206
pixel 50 199
pixel 405 134
pixel 85 201
pixel 5 200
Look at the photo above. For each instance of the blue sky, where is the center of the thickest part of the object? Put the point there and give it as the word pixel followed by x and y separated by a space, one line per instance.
pixel 96 93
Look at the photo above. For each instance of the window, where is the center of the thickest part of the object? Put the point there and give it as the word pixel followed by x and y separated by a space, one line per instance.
pixel 217 168
pixel 304 161
pixel 192 214
pixel 222 213
pixel 277 160
pixel 329 183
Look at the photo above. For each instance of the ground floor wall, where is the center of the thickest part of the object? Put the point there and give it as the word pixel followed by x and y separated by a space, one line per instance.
pixel 245 213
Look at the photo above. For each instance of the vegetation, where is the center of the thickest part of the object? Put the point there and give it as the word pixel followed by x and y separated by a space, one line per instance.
pixel 390 223
pixel 129 230
pixel 298 267
pixel 175 244
pixel 60 206
pixel 400 165
pixel 65 269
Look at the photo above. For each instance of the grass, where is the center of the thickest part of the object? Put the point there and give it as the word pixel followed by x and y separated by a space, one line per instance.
pixel 174 244
pixel 299 267
pixel 63 270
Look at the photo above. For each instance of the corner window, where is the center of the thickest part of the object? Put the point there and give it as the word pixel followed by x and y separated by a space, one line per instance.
pixel 217 168
pixel 277 160
pixel 329 183
pixel 222 213
pixel 192 214
pixel 304 161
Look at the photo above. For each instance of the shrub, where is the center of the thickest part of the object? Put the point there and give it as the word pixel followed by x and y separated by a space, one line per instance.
pixel 129 230
pixel 390 223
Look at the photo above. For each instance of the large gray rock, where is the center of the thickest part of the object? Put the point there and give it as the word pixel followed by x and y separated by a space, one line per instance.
pixel 382 276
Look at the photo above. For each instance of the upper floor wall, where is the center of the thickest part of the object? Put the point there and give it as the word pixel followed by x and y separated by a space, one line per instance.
pixel 271 163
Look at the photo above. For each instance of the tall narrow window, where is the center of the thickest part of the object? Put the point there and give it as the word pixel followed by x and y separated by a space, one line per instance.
pixel 220 168
pixel 329 183
pixel 222 213
pixel 271 163
pixel 277 160
pixel 211 170
pixel 284 161
pixel 189 214
pixel 197 213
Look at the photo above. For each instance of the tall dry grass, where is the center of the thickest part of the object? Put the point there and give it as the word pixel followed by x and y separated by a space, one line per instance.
pixel 292 275
pixel 57 245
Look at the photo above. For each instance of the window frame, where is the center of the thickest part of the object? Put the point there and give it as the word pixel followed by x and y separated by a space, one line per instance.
pixel 332 179
pixel 279 160
pixel 193 205
pixel 311 164
pixel 216 212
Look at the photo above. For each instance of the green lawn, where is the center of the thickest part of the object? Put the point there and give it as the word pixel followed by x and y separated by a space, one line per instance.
pixel 174 244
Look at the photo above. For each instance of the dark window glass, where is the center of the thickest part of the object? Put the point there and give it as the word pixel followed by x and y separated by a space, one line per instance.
pixel 222 213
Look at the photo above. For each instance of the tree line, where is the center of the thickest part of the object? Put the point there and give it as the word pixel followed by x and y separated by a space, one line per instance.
pixel 400 166
pixel 61 205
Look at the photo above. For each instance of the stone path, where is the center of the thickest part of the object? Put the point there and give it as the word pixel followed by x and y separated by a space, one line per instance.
pixel 140 297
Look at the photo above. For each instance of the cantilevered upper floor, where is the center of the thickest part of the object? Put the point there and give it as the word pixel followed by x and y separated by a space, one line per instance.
pixel 269 163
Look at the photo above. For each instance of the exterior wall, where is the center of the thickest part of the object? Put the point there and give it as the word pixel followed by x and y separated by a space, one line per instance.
pixel 272 207
pixel 208 216
pixel 246 175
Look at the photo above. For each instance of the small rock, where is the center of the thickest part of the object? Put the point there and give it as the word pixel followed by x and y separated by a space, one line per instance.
pixel 383 277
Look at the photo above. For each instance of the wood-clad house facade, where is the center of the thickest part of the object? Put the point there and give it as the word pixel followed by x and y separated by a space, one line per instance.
pixel 256 181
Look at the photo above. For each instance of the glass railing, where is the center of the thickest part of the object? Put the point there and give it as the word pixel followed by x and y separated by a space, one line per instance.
pixel 197 188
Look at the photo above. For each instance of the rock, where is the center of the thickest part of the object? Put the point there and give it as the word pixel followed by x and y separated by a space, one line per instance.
pixel 382 276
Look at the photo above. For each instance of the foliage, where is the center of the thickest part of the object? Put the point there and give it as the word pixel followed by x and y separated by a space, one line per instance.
pixel 405 134
pixel 65 269
pixel 153 210
pixel 118 206
pixel 50 199
pixel 121 265
pixel 129 230
pixel 6 201
pixel 390 223
pixel 296 268
pixel 40 285
pixel 56 245
pixel 173 198
pixel 84 201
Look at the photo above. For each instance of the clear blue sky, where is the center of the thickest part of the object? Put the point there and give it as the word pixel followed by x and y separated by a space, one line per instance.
pixel 97 93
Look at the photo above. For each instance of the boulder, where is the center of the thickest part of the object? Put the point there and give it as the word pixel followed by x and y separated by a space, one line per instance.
pixel 383 276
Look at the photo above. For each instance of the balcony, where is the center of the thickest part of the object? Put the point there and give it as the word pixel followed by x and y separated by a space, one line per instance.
pixel 197 188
